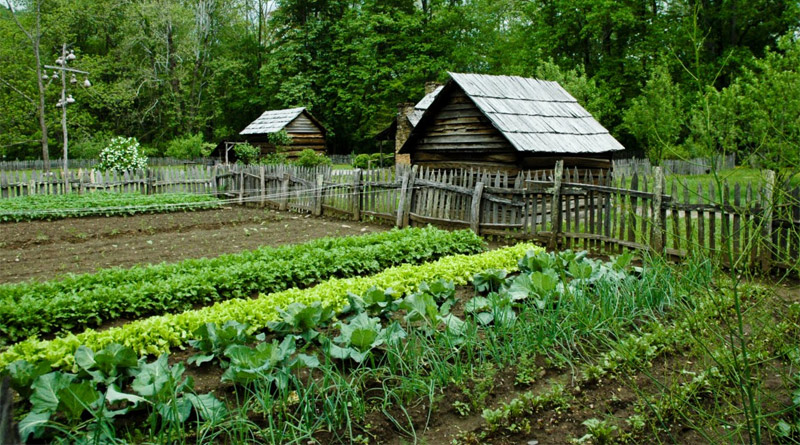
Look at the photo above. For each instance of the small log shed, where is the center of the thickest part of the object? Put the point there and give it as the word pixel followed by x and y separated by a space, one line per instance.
pixel 504 123
pixel 306 133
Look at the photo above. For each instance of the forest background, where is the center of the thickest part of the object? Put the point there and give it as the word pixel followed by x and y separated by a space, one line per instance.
pixel 669 79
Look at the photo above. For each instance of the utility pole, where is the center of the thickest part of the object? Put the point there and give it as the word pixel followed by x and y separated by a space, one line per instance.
pixel 66 99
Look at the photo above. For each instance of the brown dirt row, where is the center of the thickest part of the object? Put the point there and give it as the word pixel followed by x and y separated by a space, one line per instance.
pixel 41 250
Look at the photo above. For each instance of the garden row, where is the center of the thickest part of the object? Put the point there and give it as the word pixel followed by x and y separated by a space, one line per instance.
pixel 75 302
pixel 353 360
pixel 49 207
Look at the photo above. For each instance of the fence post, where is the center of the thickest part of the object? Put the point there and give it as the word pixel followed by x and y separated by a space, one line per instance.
pixel 407 197
pixel 356 197
pixel 401 206
pixel 555 210
pixel 284 199
pixel 214 185
pixel 475 209
pixel 766 228
pixel 263 186
pixel 241 186
pixel 657 236
pixel 318 195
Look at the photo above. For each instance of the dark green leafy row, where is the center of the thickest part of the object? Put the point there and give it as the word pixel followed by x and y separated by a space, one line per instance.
pixel 80 301
pixel 27 208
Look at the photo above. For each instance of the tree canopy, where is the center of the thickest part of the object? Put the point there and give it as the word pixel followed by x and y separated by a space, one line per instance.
pixel 702 75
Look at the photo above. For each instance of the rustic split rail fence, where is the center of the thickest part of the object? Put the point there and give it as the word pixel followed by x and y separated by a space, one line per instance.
pixel 757 225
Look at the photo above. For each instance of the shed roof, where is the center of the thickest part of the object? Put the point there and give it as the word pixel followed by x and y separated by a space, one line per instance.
pixel 275 120
pixel 533 115
pixel 423 105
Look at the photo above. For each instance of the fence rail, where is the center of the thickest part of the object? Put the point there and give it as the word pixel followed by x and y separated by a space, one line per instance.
pixel 697 166
pixel 756 225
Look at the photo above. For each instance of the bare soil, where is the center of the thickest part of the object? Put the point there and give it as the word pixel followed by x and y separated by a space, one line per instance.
pixel 40 250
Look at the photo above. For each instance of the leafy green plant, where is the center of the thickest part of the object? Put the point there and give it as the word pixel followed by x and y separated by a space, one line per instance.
pixel 271 362
pixel 50 207
pixel 360 336
pixel 600 432
pixel 489 280
pixel 212 340
pixel 246 153
pixel 157 334
pixel 79 301
pixel 310 158
pixel 280 139
pixel 301 320
pixel 189 146
pixel 374 301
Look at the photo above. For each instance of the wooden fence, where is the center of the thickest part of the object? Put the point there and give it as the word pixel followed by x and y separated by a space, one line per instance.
pixel 755 225
pixel 697 166
pixel 194 179
pixel 56 164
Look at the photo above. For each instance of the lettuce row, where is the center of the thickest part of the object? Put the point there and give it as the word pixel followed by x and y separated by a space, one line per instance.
pixel 33 207
pixel 83 301
pixel 158 334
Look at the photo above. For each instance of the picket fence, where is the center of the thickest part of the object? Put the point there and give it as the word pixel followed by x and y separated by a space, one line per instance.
pixel 757 225
pixel 697 166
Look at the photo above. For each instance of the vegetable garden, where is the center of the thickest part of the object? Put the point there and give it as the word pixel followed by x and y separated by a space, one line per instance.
pixel 408 336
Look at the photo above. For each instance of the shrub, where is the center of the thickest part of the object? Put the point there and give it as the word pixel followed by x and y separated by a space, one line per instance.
pixel 246 153
pixel 361 161
pixel 310 158
pixel 280 139
pixel 275 159
pixel 122 154
pixel 189 147
pixel 374 160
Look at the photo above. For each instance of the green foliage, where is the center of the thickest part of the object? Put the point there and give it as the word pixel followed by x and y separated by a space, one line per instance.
pixel 189 147
pixel 212 340
pixel 374 160
pixel 94 393
pixel 362 160
pixel 157 334
pixel 275 159
pixel 655 118
pixel 360 336
pixel 280 139
pixel 35 207
pixel 302 320
pixel 79 301
pixel 267 362
pixel 246 153
pixel 122 154
pixel 310 158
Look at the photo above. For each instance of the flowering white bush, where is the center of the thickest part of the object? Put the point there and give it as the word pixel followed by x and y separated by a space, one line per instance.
pixel 122 154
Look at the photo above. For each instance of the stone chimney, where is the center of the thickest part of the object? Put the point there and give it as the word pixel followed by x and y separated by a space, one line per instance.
pixel 430 87
pixel 403 131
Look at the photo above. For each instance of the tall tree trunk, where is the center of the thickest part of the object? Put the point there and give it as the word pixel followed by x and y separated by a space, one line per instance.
pixel 35 38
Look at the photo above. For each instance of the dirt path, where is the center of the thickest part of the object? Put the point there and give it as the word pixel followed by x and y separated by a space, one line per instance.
pixel 43 249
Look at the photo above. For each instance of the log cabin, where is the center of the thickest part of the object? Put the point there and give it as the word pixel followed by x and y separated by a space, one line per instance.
pixel 502 123
pixel 306 132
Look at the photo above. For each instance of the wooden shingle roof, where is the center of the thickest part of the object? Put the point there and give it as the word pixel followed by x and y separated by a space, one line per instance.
pixel 272 121
pixel 533 115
